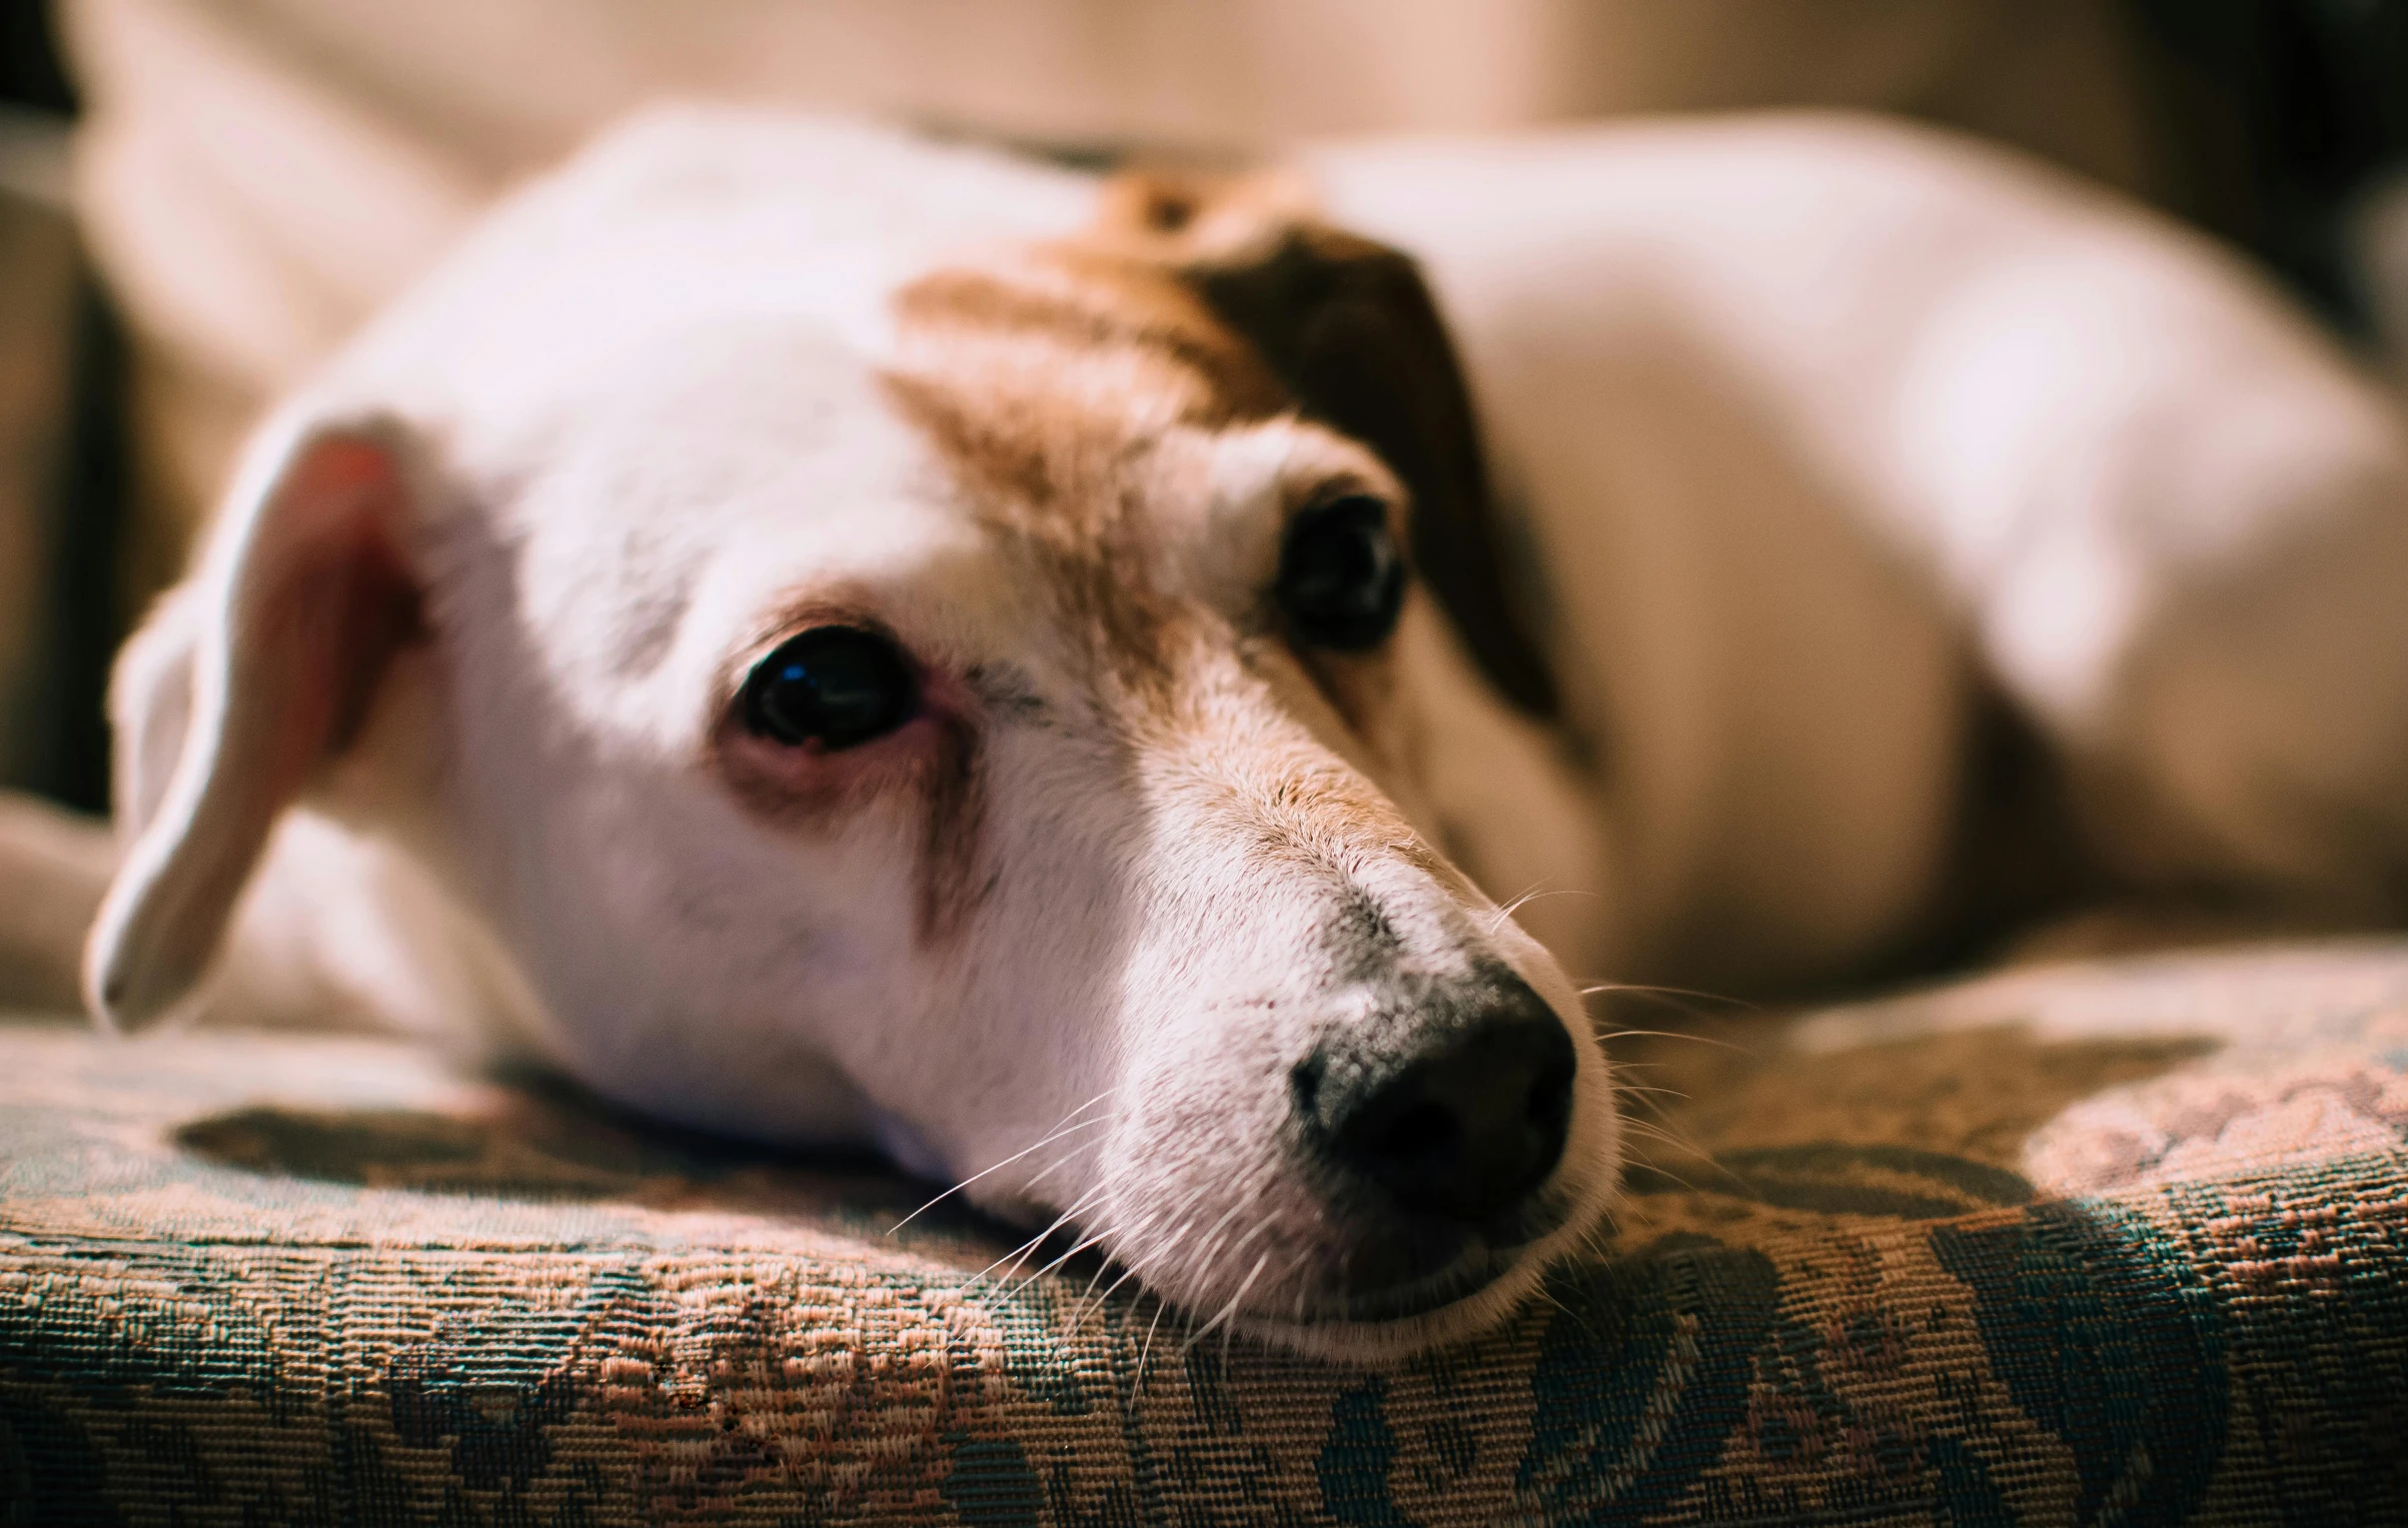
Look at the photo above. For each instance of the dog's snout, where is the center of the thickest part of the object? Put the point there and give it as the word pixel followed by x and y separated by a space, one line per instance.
pixel 1458 1118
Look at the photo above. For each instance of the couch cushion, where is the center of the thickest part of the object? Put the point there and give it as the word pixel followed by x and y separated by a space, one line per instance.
pixel 2117 1243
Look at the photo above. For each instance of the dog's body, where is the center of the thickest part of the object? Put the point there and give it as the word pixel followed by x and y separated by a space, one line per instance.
pixel 1828 436
pixel 1820 438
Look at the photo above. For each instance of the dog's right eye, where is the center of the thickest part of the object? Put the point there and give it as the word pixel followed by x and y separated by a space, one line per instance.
pixel 836 686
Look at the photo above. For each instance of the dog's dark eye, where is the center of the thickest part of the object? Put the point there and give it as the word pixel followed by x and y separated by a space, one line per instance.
pixel 836 685
pixel 1341 582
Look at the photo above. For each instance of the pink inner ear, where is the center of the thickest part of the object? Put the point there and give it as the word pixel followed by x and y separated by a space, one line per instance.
pixel 332 599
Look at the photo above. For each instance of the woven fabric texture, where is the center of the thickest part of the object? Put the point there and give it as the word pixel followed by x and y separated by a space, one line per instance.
pixel 2125 1244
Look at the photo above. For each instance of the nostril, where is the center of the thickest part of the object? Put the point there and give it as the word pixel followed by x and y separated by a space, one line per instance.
pixel 1424 1132
pixel 1550 1104
pixel 1306 1080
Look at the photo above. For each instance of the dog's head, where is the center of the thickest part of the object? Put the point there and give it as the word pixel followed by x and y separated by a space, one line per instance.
pixel 1003 737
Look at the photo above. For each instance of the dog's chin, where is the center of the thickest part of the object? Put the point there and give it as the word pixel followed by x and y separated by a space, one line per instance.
pixel 1477 1289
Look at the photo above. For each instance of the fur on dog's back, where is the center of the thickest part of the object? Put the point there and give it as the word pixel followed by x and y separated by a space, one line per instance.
pixel 1825 426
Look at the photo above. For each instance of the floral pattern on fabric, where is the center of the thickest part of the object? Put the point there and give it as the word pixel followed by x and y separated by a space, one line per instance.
pixel 2125 1244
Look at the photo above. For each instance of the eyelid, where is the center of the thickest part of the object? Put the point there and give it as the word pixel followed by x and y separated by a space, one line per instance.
pixel 1329 491
pixel 1332 491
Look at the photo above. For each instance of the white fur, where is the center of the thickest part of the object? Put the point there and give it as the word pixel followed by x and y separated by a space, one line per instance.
pixel 1807 422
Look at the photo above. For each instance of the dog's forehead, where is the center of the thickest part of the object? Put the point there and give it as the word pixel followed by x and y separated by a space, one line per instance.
pixel 712 475
pixel 708 396
pixel 764 426
pixel 675 496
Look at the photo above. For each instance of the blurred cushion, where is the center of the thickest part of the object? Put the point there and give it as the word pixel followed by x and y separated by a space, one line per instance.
pixel 2116 1244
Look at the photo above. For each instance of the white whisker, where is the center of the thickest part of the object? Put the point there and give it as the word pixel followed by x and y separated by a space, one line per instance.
pixel 1065 1128
pixel 1507 910
pixel 1057 1263
pixel 1229 1309
pixel 1665 994
pixel 1078 1314
pixel 1527 898
pixel 1020 1253
pixel 1160 1305
pixel 1669 1034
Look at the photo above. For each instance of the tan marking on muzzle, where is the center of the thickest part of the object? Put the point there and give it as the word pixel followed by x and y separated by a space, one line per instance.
pixel 1302 805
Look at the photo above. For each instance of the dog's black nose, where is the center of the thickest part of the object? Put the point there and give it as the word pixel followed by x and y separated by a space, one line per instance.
pixel 1459 1115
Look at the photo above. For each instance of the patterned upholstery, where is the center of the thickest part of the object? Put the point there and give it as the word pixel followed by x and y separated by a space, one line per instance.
pixel 2125 1243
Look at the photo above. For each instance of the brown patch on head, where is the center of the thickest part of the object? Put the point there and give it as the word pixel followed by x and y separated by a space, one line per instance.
pixel 1044 473
pixel 1092 308
pixel 1352 332
pixel 1044 382
pixel 1047 379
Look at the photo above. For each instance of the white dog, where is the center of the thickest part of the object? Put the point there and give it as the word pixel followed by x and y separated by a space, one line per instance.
pixel 838 638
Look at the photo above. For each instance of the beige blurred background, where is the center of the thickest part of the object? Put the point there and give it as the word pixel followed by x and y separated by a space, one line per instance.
pixel 246 180
pixel 256 175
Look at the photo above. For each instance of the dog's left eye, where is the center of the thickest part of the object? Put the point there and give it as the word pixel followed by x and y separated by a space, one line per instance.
pixel 1341 582
pixel 836 685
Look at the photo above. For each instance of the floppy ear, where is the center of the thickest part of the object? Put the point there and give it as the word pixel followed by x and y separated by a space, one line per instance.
pixel 1351 330
pixel 242 684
